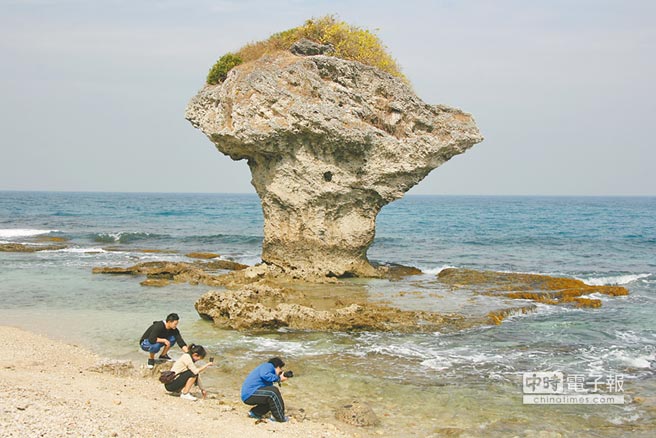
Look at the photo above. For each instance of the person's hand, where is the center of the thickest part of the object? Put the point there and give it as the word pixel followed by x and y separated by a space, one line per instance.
pixel 167 343
pixel 204 393
pixel 283 378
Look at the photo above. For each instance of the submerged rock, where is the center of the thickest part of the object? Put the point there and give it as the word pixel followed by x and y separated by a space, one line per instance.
pixel 357 414
pixel 20 247
pixel 202 255
pixel 329 142
pixel 161 273
pixel 540 288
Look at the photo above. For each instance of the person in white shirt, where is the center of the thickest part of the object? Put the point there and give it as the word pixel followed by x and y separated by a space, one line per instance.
pixel 188 373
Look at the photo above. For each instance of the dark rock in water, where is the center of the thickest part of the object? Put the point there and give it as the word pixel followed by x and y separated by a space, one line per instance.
pixel 155 282
pixel 395 271
pixel 55 239
pixel 228 265
pixel 329 142
pixel 202 255
pixel 540 288
pixel 357 414
pixel 306 47
pixel 159 273
pixel 20 247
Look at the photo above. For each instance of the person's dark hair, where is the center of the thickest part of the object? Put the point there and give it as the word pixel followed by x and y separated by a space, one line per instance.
pixel 197 349
pixel 172 317
pixel 276 362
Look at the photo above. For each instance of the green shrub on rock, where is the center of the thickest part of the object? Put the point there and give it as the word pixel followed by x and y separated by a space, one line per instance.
pixel 350 42
pixel 219 71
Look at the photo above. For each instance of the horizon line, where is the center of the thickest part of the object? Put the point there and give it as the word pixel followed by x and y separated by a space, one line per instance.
pixel 255 194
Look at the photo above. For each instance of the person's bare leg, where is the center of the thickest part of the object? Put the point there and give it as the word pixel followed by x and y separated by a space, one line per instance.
pixel 188 385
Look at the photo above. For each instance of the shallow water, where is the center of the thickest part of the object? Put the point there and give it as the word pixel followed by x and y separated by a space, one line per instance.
pixel 418 384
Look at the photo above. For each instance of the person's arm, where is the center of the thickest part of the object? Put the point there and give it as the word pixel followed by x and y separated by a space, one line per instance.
pixel 181 342
pixel 201 386
pixel 191 365
pixel 157 334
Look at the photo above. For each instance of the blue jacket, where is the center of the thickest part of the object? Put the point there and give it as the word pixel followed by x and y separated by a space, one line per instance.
pixel 263 375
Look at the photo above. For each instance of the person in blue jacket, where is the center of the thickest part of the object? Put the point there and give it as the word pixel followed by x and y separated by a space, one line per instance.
pixel 258 391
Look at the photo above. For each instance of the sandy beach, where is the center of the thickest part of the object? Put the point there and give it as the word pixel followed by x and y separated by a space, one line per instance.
pixel 52 389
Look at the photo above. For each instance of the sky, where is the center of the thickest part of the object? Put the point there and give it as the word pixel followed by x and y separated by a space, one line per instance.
pixel 92 94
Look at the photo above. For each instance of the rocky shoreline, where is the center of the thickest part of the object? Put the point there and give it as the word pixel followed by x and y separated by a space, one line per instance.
pixel 264 297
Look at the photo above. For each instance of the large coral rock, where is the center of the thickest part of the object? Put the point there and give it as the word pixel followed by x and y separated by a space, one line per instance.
pixel 329 142
pixel 261 307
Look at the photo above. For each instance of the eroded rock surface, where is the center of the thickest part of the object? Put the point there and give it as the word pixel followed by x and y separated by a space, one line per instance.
pixel 535 287
pixel 329 142
pixel 255 299
pixel 21 247
pixel 160 273
pixel 263 307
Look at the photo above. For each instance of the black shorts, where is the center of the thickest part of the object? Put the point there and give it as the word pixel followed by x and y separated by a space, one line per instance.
pixel 180 381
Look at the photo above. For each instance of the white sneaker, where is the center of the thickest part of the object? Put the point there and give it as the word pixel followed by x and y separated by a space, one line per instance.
pixel 188 396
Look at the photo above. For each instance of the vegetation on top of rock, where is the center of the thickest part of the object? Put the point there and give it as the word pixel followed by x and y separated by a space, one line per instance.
pixel 349 42
pixel 219 71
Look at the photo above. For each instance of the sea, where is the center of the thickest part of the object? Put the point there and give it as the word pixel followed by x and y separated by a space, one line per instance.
pixel 469 382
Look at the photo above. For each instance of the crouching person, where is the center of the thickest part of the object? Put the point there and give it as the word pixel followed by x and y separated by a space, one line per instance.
pixel 258 391
pixel 162 334
pixel 187 374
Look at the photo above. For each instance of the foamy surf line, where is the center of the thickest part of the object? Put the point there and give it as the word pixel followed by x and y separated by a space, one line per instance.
pixel 436 270
pixel 80 250
pixel 613 279
pixel 22 232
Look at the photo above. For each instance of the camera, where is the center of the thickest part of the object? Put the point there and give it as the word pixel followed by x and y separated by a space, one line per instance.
pixel 288 374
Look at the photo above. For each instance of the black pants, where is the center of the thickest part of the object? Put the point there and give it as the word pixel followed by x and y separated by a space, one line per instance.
pixel 267 399
pixel 180 381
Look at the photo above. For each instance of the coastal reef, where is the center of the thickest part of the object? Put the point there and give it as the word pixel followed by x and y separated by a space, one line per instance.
pixel 21 247
pixel 534 287
pixel 262 307
pixel 162 273
pixel 329 142
pixel 264 297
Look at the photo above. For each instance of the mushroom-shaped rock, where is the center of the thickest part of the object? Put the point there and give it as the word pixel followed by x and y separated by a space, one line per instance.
pixel 329 142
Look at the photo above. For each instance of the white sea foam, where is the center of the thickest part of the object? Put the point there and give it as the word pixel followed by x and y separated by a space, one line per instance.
pixel 19 232
pixel 614 280
pixel 291 348
pixel 404 350
pixel 437 363
pixel 436 270
pixel 81 250
pixel 634 361
pixel 628 418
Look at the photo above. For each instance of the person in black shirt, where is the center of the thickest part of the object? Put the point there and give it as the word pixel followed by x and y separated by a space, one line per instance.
pixel 162 334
